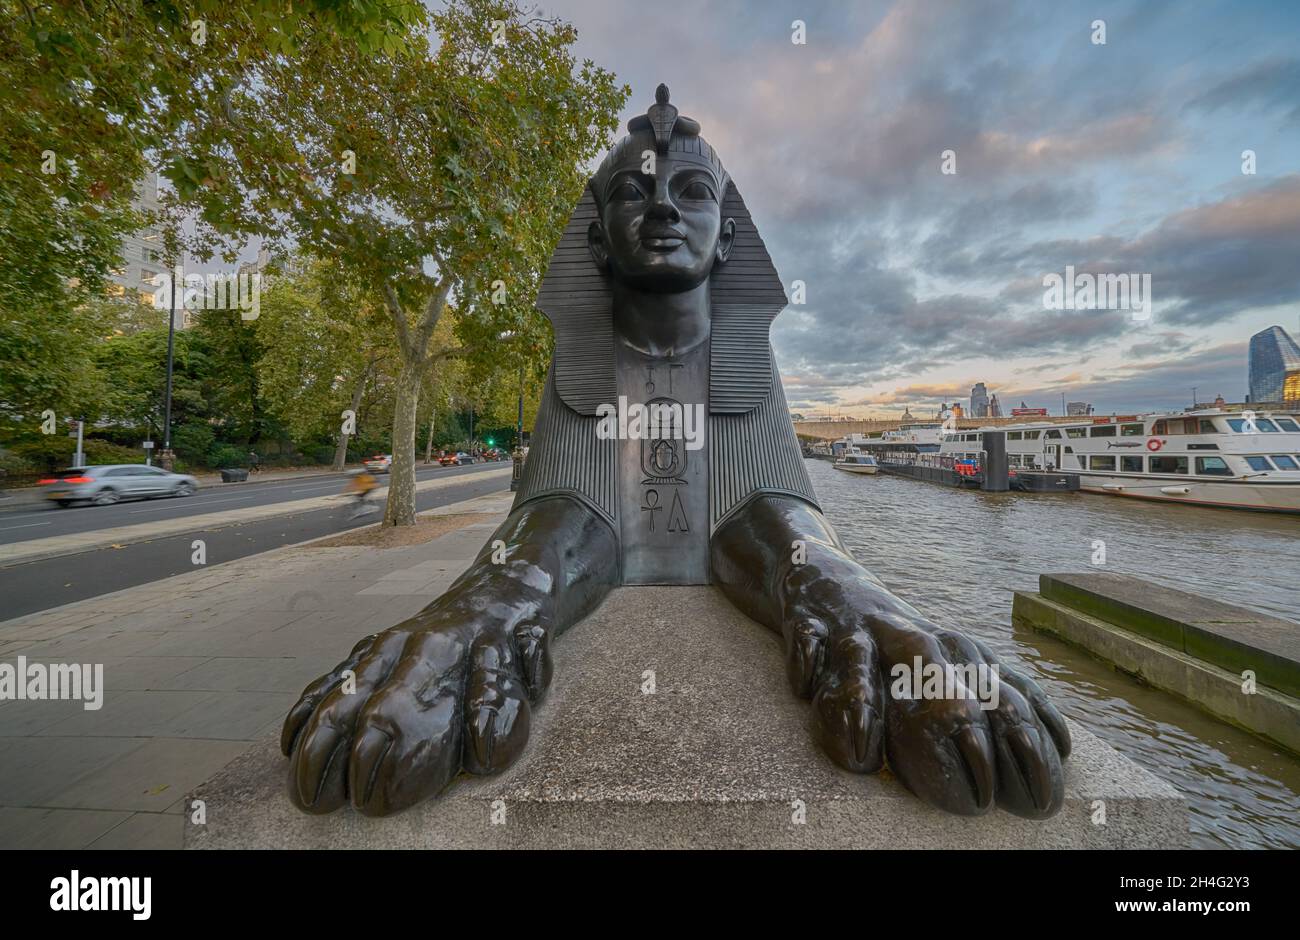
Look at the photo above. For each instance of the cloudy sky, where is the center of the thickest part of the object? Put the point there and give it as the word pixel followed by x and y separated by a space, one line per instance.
pixel 1122 157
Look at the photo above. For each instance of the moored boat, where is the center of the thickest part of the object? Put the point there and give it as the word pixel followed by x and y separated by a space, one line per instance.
pixel 1207 457
pixel 855 461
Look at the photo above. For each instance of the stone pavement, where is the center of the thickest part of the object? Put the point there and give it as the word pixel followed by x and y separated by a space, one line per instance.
pixel 196 669
pixel 121 535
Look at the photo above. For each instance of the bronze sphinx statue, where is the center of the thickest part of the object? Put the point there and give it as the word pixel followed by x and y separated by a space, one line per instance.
pixel 661 293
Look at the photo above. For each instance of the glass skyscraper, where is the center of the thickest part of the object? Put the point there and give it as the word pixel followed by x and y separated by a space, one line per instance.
pixel 1274 367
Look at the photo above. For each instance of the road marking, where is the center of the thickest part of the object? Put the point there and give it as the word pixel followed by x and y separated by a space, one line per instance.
pixel 307 489
pixel 209 502
pixel 28 526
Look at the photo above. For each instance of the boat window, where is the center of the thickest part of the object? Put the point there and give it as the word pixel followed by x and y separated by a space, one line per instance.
pixel 1104 430
pixel 1169 464
pixel 1013 435
pixel 1014 460
pixel 1076 432
pixel 1053 433
pixel 1259 463
pixel 1284 462
pixel 1130 430
pixel 1212 466
pixel 1130 464
pixel 1101 462
pixel 1207 427
pixel 1286 424
pixel 1032 435
pixel 1159 428
pixel 1261 424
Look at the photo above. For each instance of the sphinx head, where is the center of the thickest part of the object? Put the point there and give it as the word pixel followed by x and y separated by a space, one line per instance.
pixel 659 194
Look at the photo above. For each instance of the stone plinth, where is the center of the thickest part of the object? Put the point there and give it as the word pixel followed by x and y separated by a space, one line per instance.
pixel 719 756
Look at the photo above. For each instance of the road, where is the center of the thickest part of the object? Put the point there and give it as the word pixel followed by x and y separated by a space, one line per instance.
pixel 24 522
pixel 51 582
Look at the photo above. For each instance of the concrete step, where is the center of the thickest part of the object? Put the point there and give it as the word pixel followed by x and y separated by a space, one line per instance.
pixel 1233 638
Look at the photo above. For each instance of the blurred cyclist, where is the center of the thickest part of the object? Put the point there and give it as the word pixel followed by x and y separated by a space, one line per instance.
pixel 361 483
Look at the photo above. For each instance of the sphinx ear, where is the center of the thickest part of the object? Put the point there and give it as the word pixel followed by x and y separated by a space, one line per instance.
pixel 726 238
pixel 597 245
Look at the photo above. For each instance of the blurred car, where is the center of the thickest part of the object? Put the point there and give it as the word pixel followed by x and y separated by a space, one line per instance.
pixel 106 484
pixel 380 463
pixel 447 460
pixel 462 457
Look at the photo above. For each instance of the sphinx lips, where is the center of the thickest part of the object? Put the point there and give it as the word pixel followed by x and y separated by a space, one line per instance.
pixel 662 242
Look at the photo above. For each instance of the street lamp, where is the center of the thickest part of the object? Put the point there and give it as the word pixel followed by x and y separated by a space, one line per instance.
pixel 166 457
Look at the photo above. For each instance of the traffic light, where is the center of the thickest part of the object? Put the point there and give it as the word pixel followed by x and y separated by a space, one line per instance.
pixel 490 442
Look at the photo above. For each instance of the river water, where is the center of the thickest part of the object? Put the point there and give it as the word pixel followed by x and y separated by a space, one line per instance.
pixel 957 555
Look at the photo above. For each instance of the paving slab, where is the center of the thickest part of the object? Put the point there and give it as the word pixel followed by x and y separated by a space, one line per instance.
pixel 151 778
pixel 23 828
pixel 143 831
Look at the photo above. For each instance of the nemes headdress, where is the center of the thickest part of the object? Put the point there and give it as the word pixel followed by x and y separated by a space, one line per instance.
pixel 746 293
pixel 662 129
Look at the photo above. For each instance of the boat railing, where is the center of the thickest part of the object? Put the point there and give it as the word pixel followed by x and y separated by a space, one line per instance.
pixel 937 461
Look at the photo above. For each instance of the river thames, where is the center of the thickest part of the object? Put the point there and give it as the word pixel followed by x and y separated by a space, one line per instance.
pixel 957 555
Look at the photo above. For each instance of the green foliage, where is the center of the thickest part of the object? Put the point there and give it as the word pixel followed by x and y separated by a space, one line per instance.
pixel 325 340
pixel 227 455
pixel 86 90
pixel 98 452
pixel 55 452
pixel 48 356
pixel 134 367
pixel 469 156
pixel 193 442
pixel 47 453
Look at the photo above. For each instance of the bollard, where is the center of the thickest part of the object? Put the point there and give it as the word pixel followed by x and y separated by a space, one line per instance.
pixel 993 462
pixel 517 470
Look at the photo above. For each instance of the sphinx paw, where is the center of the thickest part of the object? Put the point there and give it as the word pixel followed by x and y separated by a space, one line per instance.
pixel 409 709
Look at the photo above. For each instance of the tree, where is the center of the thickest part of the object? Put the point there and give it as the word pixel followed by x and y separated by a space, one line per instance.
pixel 87 91
pixel 324 342
pixel 441 174
pixel 48 354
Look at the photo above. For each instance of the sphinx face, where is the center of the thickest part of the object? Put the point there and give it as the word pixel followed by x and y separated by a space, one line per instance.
pixel 662 232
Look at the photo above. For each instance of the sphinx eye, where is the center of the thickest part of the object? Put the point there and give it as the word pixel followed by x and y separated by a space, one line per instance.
pixel 626 192
pixel 697 189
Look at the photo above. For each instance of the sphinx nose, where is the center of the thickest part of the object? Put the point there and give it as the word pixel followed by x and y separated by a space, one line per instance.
pixel 661 205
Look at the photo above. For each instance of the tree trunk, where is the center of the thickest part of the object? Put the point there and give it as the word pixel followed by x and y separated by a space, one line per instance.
pixel 400 509
pixel 428 444
pixel 341 452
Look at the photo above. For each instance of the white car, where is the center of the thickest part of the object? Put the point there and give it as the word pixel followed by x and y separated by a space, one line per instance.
pixel 380 463
pixel 106 484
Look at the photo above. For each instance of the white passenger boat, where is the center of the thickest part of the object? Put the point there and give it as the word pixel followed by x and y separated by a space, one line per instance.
pixel 921 438
pixel 1208 457
pixel 855 461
